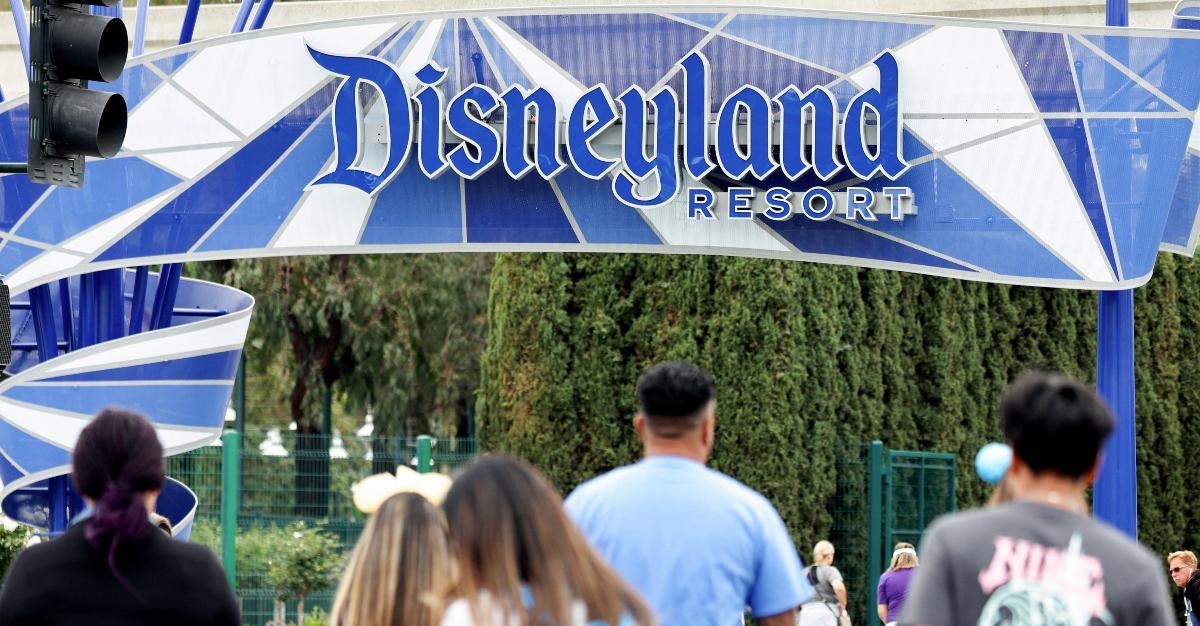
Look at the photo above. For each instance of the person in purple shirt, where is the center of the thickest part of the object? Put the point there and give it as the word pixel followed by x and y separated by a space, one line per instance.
pixel 893 585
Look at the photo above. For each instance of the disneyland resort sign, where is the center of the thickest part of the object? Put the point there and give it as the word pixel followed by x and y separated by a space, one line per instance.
pixel 794 133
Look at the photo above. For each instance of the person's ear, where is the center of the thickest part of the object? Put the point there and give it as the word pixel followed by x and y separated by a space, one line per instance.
pixel 639 424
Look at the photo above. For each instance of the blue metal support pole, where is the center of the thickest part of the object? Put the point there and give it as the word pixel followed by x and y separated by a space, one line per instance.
pixel 110 304
pixel 164 296
pixel 189 22
pixel 87 311
pixel 21 22
pixel 137 306
pixel 1114 498
pixel 243 14
pixel 139 28
pixel 42 305
pixel 260 17
pixel 68 315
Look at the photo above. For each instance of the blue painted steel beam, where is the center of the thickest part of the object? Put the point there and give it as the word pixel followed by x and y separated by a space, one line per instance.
pixel 21 22
pixel 139 28
pixel 243 14
pixel 110 304
pixel 137 305
pixel 1114 498
pixel 47 344
pixel 68 315
pixel 260 17
pixel 189 21
pixel 87 311
pixel 25 346
pixel 164 295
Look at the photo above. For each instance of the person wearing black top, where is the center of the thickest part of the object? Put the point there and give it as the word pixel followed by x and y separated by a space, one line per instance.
pixel 114 567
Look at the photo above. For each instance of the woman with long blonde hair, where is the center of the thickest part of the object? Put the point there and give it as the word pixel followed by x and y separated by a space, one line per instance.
pixel 520 561
pixel 893 585
pixel 398 568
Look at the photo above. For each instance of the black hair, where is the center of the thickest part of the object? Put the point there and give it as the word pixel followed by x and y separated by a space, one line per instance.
pixel 116 460
pixel 1054 423
pixel 671 396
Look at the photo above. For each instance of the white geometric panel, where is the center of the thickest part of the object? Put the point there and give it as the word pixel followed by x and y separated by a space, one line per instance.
pixel 264 76
pixel 561 85
pixel 62 429
pixel 168 118
pixel 1034 190
pixel 188 163
pixel 955 70
pixel 330 215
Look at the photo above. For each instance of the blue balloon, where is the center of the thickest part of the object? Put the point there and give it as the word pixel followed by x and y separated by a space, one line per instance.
pixel 992 462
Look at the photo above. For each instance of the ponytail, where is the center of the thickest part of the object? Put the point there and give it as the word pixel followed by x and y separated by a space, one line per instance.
pixel 116 461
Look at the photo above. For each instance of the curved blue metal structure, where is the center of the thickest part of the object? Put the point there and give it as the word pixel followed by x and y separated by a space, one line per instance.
pixel 1031 155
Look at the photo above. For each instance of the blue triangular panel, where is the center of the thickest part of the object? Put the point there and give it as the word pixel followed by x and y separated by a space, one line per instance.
pixel 503 210
pixel 181 405
pixel 1149 56
pixel 706 19
pixel 260 215
pixel 609 48
pixel 475 67
pixel 111 186
pixel 217 366
pixel 1185 203
pixel 172 63
pixel 14 255
pixel 1070 138
pixel 179 224
pixel 14 138
pixel 8 471
pixel 415 209
pixel 1104 88
pixel 17 194
pixel 601 217
pixel 949 208
pixel 1141 164
pixel 841 45
pixel 29 452
pixel 840 239
pixel 510 72
pixel 774 72
pixel 1043 60
pixel 914 148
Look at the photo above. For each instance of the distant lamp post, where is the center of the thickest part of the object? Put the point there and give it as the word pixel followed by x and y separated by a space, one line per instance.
pixel 273 444
pixel 337 448
pixel 364 434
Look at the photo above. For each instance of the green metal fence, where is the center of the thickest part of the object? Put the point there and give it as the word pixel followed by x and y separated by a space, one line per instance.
pixel 285 477
pixel 884 497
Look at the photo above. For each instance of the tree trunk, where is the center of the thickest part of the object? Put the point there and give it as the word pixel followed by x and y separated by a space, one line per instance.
pixel 300 611
pixel 280 616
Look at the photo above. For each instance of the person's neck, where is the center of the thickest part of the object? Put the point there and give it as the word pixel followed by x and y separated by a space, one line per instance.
pixel 677 447
pixel 1055 491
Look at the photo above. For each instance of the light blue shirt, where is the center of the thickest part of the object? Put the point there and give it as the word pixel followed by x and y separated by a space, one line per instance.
pixel 699 546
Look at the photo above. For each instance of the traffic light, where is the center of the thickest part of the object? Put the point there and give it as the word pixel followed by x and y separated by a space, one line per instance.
pixel 67 121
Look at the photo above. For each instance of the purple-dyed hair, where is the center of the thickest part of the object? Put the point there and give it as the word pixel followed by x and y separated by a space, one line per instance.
pixel 117 459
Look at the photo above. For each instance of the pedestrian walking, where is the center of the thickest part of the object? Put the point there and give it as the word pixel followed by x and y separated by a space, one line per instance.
pixel 828 606
pixel 1183 570
pixel 893 585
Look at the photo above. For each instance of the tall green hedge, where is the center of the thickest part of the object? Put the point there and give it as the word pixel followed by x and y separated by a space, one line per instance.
pixel 808 357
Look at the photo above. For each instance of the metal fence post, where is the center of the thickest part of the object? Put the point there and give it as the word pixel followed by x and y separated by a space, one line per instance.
pixel 424 454
pixel 875 530
pixel 230 473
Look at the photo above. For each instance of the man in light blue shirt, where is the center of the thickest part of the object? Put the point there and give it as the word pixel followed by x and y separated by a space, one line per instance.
pixel 700 546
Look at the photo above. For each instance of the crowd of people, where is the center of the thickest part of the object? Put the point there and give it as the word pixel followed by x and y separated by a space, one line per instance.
pixel 666 541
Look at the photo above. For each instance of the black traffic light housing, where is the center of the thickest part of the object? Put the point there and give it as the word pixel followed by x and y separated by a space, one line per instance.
pixel 67 121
